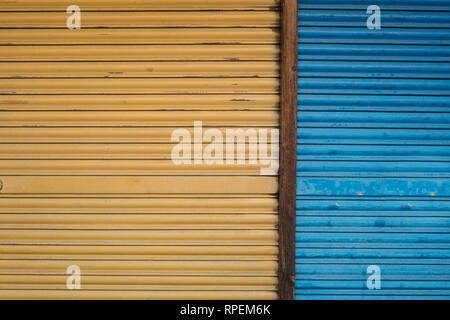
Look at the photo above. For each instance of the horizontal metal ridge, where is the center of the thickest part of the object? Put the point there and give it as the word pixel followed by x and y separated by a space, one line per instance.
pixel 99 135
pixel 65 294
pixel 367 221
pixel 393 186
pixel 403 206
pixel 149 206
pixel 373 52
pixel 438 5
pixel 118 69
pixel 267 268
pixel 415 87
pixel 362 291
pixel 142 19
pixel 126 167
pixel 138 185
pixel 344 265
pixel 348 18
pixel 90 221
pixel 396 104
pixel 144 287
pixel 380 237
pixel 138 118
pixel 383 36
pixel 141 253
pixel 354 168
pixel 371 153
pixel 138 236
pixel 424 285
pixel 110 151
pixel 140 36
pixel 369 69
pixel 139 86
pixel 374 136
pixel 173 52
pixel 367 119
pixel 140 102
pixel 91 280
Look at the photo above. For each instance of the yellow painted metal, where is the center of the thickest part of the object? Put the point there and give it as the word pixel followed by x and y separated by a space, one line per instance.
pixel 148 288
pixel 223 237
pixel 267 268
pixel 93 134
pixel 161 205
pixel 138 118
pixel 140 102
pixel 137 86
pixel 130 151
pixel 138 295
pixel 137 280
pixel 244 69
pixel 86 119
pixel 138 221
pixel 155 19
pixel 139 185
pixel 244 36
pixel 206 52
pixel 140 253
pixel 123 5
pixel 121 167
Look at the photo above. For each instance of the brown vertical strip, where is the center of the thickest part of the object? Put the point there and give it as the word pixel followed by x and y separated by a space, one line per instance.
pixel 288 137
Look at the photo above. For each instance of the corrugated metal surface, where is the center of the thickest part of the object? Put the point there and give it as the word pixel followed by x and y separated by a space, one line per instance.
pixel 86 118
pixel 373 183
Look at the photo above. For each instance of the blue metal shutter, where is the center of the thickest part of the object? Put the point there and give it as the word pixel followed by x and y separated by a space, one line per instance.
pixel 373 171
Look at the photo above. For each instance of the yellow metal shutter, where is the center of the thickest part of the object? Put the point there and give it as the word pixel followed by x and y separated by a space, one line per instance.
pixel 86 118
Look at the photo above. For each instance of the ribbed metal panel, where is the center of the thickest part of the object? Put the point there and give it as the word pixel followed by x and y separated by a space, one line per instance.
pixel 86 176
pixel 373 182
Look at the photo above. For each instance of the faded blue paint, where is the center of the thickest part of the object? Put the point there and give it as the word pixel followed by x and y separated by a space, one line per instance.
pixel 373 167
pixel 380 52
pixel 403 5
pixel 356 18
